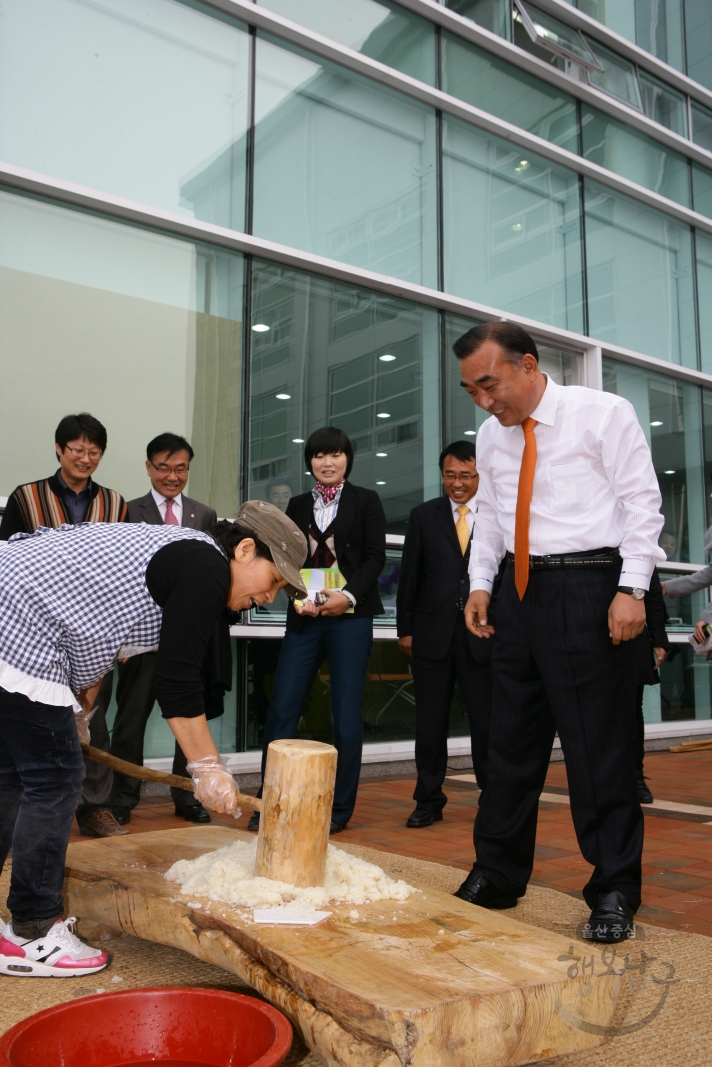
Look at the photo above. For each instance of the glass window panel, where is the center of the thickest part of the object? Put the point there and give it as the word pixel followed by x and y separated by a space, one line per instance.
pixel 474 75
pixel 702 190
pixel 142 330
pixel 463 417
pixel 619 78
pixel 511 228
pixel 172 134
pixel 685 687
pixel 654 25
pixel 663 104
pixel 701 125
pixel 698 31
pixel 627 152
pixel 344 167
pixel 380 29
pixel 639 277
pixel 670 414
pixel 329 339
pixel 703 242
pixel 618 15
pixel 388 700
pixel 551 35
pixel 494 15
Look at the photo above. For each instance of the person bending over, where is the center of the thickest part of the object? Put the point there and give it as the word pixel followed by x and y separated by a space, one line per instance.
pixel 70 600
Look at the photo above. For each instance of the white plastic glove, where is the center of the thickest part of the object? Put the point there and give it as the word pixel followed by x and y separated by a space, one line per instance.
pixel 215 787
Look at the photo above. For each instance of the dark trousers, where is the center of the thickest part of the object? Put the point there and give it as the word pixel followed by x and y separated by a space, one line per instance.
pixel 434 686
pixel 135 699
pixel 554 667
pixel 98 779
pixel 346 645
pixel 41 772
pixel 640 726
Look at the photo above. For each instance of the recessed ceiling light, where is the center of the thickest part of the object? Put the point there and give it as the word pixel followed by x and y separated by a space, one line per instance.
pixel 516 226
pixel 669 472
pixel 381 453
pixel 386 359
pixel 522 165
pixel 383 415
pixel 380 483
pixel 260 327
pixel 297 440
pixel 470 433
pixel 284 396
pixel 656 423
pixel 309 472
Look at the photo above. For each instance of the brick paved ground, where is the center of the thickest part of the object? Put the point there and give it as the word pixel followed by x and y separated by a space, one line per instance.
pixel 677 871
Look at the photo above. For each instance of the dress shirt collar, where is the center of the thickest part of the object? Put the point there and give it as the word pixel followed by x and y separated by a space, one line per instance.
pixel 160 499
pixel 65 488
pixel 546 408
pixel 468 505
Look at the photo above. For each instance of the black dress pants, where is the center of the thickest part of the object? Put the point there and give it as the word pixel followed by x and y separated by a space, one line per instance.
pixel 135 699
pixel 434 685
pixel 554 667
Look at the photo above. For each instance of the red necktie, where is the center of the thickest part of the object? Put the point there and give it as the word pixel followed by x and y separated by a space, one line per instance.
pixel 524 500
pixel 170 519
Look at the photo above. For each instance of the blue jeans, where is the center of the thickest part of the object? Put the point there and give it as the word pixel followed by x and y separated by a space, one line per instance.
pixel 346 645
pixel 41 774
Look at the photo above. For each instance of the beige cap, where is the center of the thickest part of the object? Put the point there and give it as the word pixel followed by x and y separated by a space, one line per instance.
pixel 284 539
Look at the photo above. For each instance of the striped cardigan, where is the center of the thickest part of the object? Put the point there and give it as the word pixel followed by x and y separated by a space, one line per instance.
pixel 40 504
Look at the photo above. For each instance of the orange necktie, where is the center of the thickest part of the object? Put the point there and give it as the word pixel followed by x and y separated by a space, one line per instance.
pixel 524 499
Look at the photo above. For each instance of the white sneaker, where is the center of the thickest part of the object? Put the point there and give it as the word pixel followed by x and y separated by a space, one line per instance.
pixel 59 953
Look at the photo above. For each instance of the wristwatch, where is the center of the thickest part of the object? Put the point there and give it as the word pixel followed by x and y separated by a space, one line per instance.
pixel 637 594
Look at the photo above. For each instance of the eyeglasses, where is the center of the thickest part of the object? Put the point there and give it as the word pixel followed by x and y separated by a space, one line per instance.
pixel 92 453
pixel 163 468
pixel 460 477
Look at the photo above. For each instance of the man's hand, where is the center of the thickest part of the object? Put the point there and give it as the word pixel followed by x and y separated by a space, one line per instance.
pixel 701 634
pixel 405 644
pixel 476 614
pixel 336 604
pixel 662 586
pixel 660 656
pixel 626 618
pixel 87 699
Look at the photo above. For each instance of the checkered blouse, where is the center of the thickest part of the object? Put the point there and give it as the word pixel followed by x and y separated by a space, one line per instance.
pixel 71 598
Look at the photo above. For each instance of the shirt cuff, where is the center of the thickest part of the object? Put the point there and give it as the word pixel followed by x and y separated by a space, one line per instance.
pixel 481 578
pixel 351 597
pixel 636 573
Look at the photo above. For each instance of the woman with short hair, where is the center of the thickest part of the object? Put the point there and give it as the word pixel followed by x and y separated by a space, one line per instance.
pixel 345 528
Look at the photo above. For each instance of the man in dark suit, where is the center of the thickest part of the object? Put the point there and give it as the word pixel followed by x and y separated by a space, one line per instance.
pixel 167 465
pixel 432 593
pixel 345 527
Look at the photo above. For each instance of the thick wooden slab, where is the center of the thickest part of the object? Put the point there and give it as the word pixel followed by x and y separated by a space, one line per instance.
pixel 430 982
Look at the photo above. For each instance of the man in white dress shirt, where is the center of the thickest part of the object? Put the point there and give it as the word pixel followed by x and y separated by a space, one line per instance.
pixel 433 588
pixel 569 497
pixel 167 465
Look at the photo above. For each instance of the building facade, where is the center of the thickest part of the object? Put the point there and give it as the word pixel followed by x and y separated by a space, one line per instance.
pixel 241 221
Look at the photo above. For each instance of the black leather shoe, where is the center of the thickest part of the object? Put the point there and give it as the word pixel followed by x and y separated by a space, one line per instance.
pixel 193 813
pixel 337 827
pixel 611 919
pixel 476 889
pixel 122 815
pixel 254 823
pixel 424 817
pixel 644 794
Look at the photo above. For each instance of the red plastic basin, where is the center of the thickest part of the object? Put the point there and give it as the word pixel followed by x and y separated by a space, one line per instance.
pixel 166 1027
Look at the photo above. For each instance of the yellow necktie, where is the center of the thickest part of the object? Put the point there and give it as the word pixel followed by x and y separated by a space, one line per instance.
pixel 461 528
pixel 524 500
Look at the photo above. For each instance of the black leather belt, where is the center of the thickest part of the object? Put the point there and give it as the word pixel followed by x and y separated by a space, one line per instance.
pixel 599 557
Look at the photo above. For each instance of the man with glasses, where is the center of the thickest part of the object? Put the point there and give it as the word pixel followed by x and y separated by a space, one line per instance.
pixel 69 497
pixel 432 593
pixel 167 465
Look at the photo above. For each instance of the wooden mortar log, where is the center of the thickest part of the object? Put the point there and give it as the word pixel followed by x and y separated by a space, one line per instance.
pixel 297 797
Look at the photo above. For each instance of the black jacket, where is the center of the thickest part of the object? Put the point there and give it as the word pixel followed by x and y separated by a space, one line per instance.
pixel 655 619
pixel 434 583
pixel 360 543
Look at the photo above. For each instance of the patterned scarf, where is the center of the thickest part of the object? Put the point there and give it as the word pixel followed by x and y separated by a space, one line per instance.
pixel 328 492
